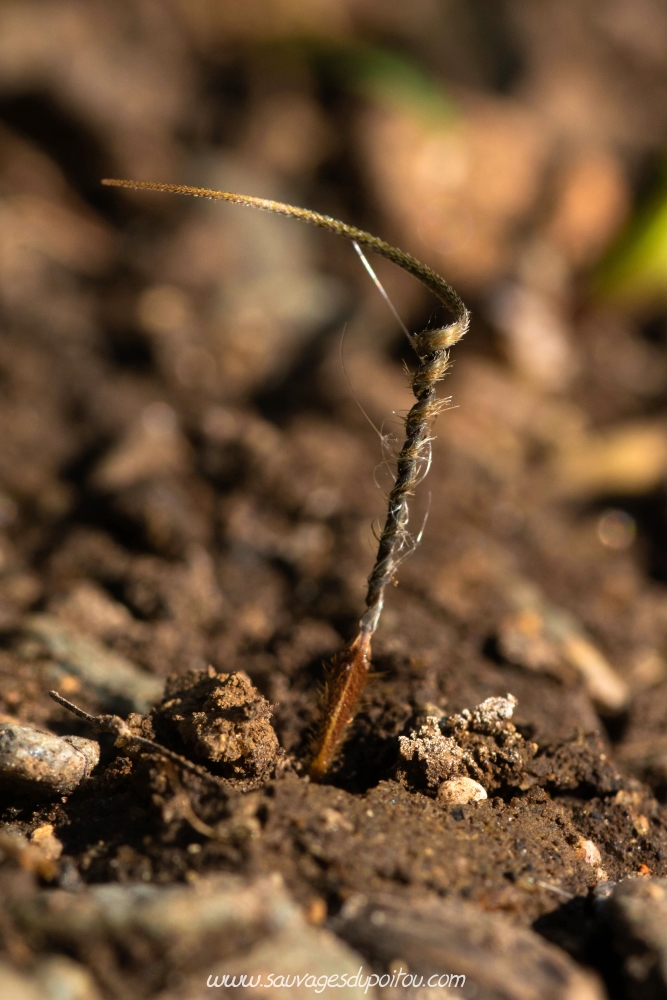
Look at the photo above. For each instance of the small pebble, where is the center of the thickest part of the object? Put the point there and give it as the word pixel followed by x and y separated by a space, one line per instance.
pixel 590 851
pixel 33 761
pixel 459 791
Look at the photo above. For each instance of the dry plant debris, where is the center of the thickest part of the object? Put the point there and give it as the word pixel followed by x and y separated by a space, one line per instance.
pixel 351 667
pixel 125 737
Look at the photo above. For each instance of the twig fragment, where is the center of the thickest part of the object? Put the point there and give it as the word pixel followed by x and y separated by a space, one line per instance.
pixel 432 348
pixel 125 738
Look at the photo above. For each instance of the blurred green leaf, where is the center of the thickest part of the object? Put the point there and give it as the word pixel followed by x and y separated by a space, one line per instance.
pixel 383 75
pixel 635 272
pixel 376 73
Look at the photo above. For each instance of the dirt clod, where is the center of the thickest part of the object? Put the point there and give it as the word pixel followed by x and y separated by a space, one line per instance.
pixel 223 719
pixel 434 758
pixel 480 744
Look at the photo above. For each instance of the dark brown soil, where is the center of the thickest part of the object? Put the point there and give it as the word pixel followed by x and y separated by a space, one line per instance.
pixel 187 494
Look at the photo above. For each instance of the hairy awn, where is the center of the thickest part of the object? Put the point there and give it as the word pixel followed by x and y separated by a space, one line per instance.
pixel 432 349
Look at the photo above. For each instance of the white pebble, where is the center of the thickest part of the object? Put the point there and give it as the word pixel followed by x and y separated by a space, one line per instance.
pixel 591 852
pixel 458 791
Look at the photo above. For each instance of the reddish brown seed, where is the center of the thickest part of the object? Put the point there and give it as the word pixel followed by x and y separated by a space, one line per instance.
pixel 349 677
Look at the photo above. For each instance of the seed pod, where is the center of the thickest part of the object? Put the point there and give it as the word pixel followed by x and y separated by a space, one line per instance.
pixel 41 763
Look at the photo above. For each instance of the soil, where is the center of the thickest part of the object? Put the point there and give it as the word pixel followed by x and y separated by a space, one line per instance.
pixel 186 513
pixel 193 595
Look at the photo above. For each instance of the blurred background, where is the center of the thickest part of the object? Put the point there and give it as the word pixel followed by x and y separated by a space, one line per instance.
pixel 185 474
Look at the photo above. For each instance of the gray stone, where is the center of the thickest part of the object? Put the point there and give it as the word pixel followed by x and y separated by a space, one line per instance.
pixel 439 938
pixel 637 912
pixel 119 684
pixel 219 926
pixel 41 763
